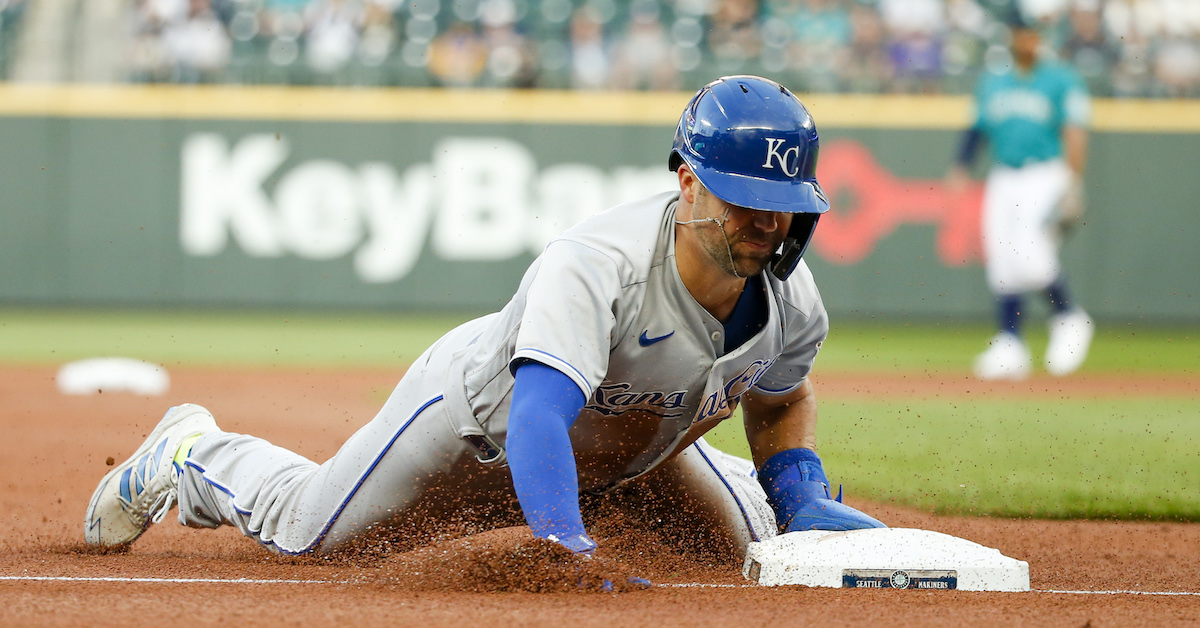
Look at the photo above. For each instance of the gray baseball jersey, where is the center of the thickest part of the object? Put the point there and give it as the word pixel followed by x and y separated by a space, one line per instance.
pixel 605 305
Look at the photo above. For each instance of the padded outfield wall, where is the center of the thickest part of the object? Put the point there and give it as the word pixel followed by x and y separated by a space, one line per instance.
pixel 409 199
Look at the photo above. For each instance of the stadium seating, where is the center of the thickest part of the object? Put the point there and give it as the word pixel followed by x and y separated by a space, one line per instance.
pixel 1124 48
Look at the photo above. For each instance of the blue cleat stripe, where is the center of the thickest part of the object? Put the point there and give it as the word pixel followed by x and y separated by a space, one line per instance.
pixel 142 464
pixel 125 484
pixel 158 454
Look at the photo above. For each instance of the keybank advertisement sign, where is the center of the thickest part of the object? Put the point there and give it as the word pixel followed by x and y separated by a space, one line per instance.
pixel 395 214
pixel 485 199
pixel 408 215
pixel 475 199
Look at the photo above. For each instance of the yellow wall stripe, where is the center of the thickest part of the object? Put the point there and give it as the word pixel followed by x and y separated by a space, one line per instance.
pixel 526 107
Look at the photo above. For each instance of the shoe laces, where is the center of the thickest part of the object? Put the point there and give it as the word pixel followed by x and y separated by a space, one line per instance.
pixel 154 511
pixel 162 505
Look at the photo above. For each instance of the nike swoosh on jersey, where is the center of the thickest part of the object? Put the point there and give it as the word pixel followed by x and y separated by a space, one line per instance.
pixel 646 342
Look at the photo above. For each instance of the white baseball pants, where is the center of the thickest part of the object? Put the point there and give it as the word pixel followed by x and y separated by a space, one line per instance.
pixel 1020 230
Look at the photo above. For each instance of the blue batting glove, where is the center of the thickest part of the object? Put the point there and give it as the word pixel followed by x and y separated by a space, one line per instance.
pixel 798 492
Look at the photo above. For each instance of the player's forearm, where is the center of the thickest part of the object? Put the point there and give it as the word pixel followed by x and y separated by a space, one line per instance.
pixel 968 148
pixel 1075 145
pixel 544 404
pixel 544 478
pixel 774 425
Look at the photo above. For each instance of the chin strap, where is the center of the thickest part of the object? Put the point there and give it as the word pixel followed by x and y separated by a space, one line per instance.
pixel 720 223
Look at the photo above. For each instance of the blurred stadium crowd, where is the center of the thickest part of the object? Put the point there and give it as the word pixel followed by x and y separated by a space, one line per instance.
pixel 1124 48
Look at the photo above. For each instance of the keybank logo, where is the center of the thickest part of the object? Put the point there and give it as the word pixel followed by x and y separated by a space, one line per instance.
pixel 476 199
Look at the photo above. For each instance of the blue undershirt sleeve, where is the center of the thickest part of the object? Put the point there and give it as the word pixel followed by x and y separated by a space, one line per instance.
pixel 545 403
pixel 968 146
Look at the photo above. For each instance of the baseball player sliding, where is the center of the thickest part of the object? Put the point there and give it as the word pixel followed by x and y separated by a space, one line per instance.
pixel 1035 116
pixel 633 334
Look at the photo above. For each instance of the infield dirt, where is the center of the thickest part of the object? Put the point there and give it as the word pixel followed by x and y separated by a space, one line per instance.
pixel 55 449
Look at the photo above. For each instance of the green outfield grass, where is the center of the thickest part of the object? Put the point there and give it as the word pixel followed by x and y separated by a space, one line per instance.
pixel 217 338
pixel 1123 457
pixel 202 337
pixel 950 348
pixel 1070 458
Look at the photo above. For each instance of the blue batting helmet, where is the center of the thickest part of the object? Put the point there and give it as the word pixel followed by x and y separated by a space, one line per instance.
pixel 753 144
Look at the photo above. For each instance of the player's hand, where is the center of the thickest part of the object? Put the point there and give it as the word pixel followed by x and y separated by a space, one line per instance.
pixel 579 544
pixel 1070 207
pixel 599 574
pixel 595 572
pixel 798 491
pixel 815 510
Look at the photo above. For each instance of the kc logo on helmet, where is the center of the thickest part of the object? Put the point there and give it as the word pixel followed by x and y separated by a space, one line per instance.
pixel 791 155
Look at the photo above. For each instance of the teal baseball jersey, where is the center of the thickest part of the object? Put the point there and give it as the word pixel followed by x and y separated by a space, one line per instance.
pixel 1023 114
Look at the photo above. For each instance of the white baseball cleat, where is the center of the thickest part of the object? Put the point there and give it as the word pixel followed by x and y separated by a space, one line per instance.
pixel 1006 358
pixel 1070 336
pixel 144 488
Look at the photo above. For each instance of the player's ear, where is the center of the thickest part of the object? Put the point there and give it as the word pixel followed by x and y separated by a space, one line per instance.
pixel 689 184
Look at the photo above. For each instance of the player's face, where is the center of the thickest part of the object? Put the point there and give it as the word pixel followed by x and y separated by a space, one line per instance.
pixel 1025 42
pixel 744 244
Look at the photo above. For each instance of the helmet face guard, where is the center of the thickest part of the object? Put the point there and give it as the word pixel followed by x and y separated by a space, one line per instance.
pixel 753 144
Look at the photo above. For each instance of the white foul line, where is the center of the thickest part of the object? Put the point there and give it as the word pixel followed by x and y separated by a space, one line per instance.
pixel 1120 592
pixel 165 580
pixel 699 585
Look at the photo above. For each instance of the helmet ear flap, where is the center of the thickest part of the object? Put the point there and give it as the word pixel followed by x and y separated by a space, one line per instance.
pixel 794 245
pixel 674 161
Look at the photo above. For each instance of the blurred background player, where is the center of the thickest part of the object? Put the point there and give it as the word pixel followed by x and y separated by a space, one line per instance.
pixel 1034 116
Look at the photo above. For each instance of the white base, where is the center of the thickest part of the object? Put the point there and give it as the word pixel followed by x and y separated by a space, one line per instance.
pixel 96 375
pixel 883 558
